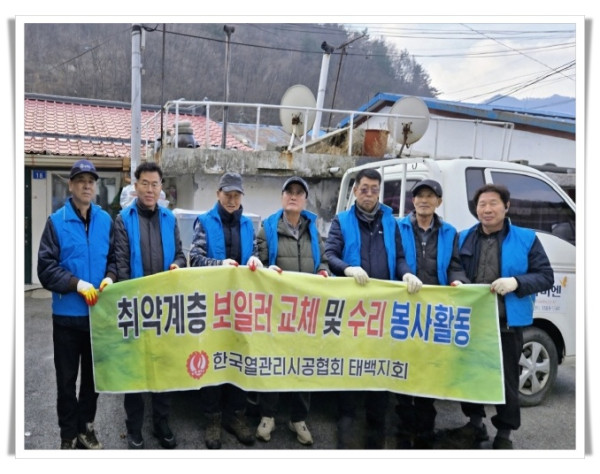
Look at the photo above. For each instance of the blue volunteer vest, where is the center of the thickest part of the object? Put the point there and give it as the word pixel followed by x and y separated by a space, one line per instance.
pixel 83 254
pixel 215 240
pixel 270 226
pixel 515 251
pixel 446 234
pixel 167 235
pixel 352 242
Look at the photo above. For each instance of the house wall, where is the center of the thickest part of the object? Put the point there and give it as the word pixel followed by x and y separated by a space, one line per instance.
pixel 457 138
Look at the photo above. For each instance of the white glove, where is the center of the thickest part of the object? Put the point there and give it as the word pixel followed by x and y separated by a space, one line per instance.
pixel 456 283
pixel 104 283
pixel 229 262
pixel 502 286
pixel 275 268
pixel 358 273
pixel 89 293
pixel 254 263
pixel 413 284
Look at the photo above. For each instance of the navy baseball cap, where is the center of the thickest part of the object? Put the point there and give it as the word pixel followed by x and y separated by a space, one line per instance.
pixel 83 166
pixel 428 183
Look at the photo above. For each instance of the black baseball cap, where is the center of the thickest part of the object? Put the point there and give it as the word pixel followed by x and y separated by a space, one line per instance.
pixel 428 183
pixel 83 166
pixel 295 179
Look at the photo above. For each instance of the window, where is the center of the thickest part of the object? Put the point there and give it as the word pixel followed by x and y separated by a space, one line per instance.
pixel 475 179
pixel 391 195
pixel 106 190
pixel 536 205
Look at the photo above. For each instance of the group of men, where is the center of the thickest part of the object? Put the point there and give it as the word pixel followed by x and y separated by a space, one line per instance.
pixel 82 251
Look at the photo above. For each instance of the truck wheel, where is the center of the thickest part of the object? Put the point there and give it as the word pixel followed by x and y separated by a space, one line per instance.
pixel 538 366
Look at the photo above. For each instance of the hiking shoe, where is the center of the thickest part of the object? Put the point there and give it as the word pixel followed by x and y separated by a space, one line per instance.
pixel 163 433
pixel 68 443
pixel 266 426
pixel 237 426
pixel 300 428
pixel 502 443
pixel 212 433
pixel 466 437
pixel 88 440
pixel 135 440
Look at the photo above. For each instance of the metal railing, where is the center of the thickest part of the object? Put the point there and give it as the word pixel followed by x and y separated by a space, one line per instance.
pixel 180 106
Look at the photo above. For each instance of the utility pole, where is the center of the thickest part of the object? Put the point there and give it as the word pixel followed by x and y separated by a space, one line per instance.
pixel 328 49
pixel 162 91
pixel 228 31
pixel 136 97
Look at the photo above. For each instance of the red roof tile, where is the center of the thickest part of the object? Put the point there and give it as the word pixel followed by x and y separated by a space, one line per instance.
pixel 63 128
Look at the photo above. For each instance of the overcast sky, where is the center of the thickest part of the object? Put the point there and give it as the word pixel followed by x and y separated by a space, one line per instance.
pixel 473 62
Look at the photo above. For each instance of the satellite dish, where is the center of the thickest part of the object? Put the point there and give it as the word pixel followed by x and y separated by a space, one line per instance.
pixel 407 131
pixel 296 120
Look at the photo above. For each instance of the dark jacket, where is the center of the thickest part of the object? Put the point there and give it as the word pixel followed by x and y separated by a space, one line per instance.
pixel 373 254
pixel 522 256
pixel 293 254
pixel 150 243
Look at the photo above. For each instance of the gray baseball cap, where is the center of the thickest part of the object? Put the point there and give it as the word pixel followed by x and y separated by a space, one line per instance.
pixel 231 182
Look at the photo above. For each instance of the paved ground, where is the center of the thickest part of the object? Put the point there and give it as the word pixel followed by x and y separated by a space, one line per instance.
pixel 550 426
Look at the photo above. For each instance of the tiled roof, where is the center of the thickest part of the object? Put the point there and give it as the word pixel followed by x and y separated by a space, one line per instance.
pixel 85 128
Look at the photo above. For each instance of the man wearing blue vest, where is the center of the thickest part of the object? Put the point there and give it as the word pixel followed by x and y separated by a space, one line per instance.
pixel 431 251
pixel 224 236
pixel 147 242
pixel 513 261
pixel 289 241
pixel 364 242
pixel 75 258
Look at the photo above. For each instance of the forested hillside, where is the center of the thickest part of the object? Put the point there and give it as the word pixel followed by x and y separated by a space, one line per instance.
pixel 188 61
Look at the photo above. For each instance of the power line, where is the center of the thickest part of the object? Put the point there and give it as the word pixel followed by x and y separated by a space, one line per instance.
pixel 511 48
pixel 520 85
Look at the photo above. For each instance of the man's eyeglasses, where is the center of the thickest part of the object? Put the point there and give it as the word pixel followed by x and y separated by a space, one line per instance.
pixel 147 184
pixel 369 190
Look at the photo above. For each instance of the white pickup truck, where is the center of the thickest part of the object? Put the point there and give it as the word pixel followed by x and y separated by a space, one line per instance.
pixel 537 202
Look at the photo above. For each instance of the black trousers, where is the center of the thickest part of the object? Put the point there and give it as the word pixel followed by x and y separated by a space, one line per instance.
pixel 417 414
pixel 134 408
pixel 219 398
pixel 299 404
pixel 508 415
pixel 375 406
pixel 72 352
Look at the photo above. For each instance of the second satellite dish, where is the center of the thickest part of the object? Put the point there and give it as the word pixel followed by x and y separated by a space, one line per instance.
pixel 297 120
pixel 408 130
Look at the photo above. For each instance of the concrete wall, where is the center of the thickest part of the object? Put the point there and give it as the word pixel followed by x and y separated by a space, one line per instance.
pixel 197 172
